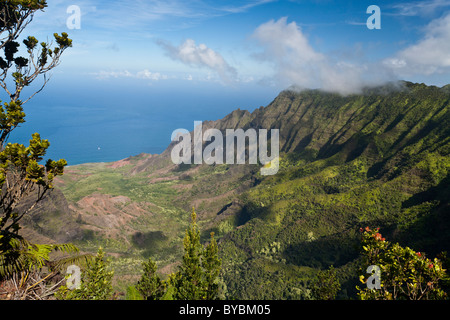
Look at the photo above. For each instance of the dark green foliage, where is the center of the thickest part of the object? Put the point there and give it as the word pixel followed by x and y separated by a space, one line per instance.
pixel 19 255
pixel 381 158
pixel 95 281
pixel 211 266
pixel 151 287
pixel 21 174
pixel 404 274
pixel 197 276
pixel 152 242
pixel 326 285
pixel 188 280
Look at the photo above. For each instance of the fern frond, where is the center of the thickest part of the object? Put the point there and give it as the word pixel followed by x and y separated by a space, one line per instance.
pixel 17 255
pixel 80 260
pixel 65 247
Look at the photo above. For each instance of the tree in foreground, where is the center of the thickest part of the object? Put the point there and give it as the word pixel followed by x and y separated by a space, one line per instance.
pixel 150 287
pixel 404 274
pixel 197 277
pixel 21 174
pixel 96 281
pixel 326 285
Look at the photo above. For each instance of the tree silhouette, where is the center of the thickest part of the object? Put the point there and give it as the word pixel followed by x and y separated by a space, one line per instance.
pixel 21 174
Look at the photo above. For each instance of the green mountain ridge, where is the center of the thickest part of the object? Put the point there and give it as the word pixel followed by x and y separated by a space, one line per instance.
pixel 379 159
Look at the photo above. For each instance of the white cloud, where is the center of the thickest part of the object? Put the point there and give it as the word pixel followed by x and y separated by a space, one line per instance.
pixel 286 40
pixel 244 7
pixel 112 74
pixel 200 56
pixel 288 50
pixel 419 8
pixel 114 16
pixel 144 74
pixel 430 55
pixel 296 62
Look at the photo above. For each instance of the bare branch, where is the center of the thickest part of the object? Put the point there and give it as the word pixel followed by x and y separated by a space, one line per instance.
pixel 42 87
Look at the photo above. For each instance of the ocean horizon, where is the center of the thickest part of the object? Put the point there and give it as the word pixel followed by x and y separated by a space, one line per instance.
pixel 91 121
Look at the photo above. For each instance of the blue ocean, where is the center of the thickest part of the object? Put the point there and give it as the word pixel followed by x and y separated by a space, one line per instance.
pixel 87 120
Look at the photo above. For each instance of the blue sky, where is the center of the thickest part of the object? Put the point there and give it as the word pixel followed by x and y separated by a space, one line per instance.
pixel 269 44
pixel 140 69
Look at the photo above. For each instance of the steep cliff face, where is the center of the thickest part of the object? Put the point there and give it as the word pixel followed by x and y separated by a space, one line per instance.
pixel 380 158
pixel 380 123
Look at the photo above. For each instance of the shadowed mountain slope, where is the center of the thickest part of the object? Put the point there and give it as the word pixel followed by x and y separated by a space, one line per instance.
pixel 377 159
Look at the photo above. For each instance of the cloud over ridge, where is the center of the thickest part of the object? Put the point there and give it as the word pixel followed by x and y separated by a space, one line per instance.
pixel 429 55
pixel 296 62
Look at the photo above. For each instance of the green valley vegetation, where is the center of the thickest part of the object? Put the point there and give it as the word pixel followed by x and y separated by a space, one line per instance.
pixel 377 159
pixel 380 159
pixel 197 277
